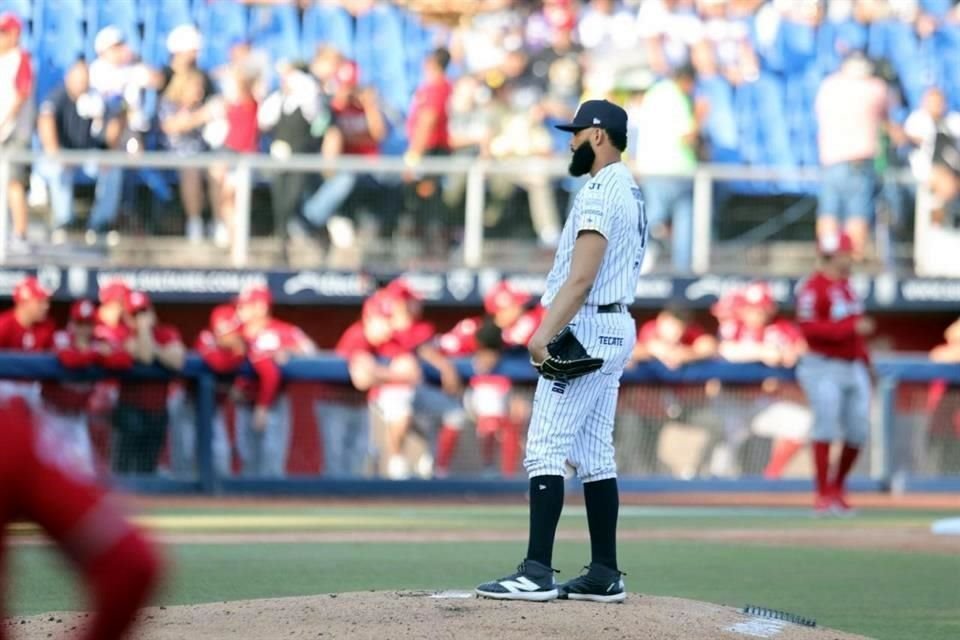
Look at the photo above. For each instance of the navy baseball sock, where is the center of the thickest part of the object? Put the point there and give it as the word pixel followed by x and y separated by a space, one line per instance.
pixel 546 503
pixel 603 505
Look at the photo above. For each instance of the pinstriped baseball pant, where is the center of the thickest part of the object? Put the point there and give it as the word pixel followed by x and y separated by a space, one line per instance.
pixel 573 421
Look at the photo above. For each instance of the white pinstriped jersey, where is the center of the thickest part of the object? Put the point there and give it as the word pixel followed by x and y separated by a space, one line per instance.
pixel 610 204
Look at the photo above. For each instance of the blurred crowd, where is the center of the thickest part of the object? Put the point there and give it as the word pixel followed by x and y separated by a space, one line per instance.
pixel 854 86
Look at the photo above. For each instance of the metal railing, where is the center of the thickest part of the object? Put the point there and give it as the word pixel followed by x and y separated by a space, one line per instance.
pixel 649 391
pixel 476 171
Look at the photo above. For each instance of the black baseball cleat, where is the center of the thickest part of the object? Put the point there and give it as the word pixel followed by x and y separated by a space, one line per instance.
pixel 598 584
pixel 532 581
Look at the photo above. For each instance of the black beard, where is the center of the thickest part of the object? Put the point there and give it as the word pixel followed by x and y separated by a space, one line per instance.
pixel 582 160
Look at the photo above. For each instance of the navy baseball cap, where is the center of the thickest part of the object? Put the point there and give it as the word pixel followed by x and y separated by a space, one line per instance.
pixel 597 113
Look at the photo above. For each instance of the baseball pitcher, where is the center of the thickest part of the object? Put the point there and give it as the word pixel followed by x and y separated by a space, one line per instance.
pixel 580 350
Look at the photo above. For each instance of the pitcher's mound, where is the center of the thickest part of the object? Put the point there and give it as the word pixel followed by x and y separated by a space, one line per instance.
pixel 450 614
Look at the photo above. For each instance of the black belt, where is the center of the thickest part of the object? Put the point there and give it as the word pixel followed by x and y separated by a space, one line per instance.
pixel 615 307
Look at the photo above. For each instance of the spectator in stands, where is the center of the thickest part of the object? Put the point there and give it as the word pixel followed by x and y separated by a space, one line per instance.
pixel 609 33
pixel 667 29
pixel 183 114
pixel 520 132
pixel 666 128
pixel 557 68
pixel 296 117
pixel 16 121
pixel 74 117
pixel 66 404
pixel 112 72
pixel 428 135
pixel 239 119
pixel 141 417
pixel 183 43
pixel 851 107
pixel 358 128
pixel 26 327
pixel 934 133
pixel 263 413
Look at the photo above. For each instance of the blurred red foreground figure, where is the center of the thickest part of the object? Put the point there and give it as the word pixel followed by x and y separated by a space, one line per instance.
pixel 117 564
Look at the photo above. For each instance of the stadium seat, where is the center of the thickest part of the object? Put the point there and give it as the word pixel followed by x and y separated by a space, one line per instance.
pixel 19 7
pixel 379 38
pixel 419 40
pixel 222 22
pixel 276 29
pixel 158 21
pixel 720 129
pixel 58 41
pixel 797 46
pixel 122 14
pixel 326 25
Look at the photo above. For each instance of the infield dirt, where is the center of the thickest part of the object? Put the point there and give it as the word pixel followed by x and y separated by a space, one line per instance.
pixel 453 615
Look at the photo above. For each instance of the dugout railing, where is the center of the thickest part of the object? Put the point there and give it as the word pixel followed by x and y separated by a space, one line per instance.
pixel 914 441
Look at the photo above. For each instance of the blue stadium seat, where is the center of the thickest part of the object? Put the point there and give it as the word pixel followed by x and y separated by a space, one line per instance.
pixel 379 38
pixel 419 41
pixel 222 22
pixel 326 25
pixel 158 21
pixel 720 129
pixel 58 41
pixel 122 14
pixel 19 7
pixel 276 29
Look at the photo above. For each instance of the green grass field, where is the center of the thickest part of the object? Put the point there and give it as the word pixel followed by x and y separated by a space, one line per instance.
pixel 882 594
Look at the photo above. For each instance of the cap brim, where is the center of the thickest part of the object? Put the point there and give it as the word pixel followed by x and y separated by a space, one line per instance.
pixel 572 128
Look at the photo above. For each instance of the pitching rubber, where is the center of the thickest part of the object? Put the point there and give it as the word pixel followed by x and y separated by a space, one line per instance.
pixel 536 596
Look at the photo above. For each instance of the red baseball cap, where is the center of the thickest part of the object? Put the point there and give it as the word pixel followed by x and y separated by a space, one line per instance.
pixel 29 289
pixel 137 301
pixel 501 296
pixel 10 22
pixel 224 320
pixel 83 311
pixel 758 294
pixel 381 304
pixel 116 291
pixel 347 74
pixel 401 289
pixel 255 293
pixel 834 243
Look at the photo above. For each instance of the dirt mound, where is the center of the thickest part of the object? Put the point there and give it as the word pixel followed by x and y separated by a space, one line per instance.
pixel 452 614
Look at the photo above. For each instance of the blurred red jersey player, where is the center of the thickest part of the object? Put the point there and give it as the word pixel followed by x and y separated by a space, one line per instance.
pixel 119 567
pixel 673 339
pixel 497 411
pixel 26 327
pixel 223 350
pixel 141 418
pixel 263 421
pixel 758 335
pixel 66 404
pixel 834 373
pixel 413 337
